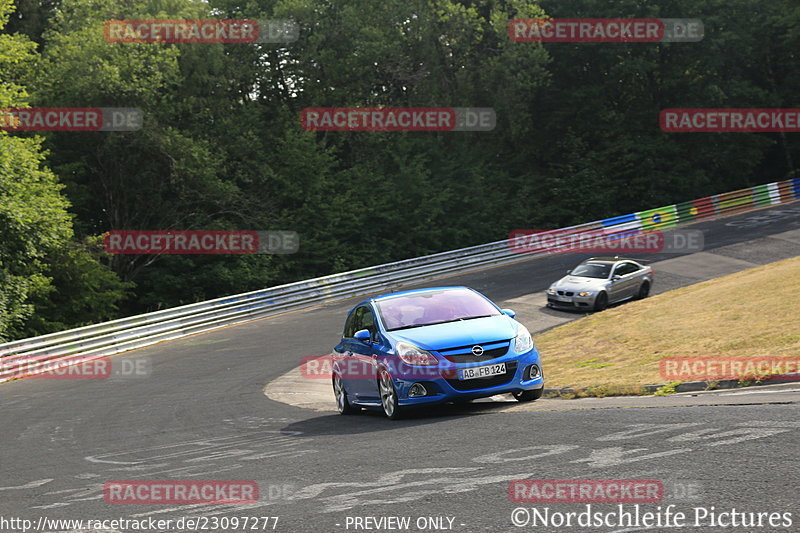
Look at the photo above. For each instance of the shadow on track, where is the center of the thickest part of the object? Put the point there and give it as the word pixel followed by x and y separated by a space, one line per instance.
pixel 370 421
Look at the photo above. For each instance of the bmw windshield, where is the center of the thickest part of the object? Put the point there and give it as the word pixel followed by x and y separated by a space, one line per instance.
pixel 435 307
pixel 592 270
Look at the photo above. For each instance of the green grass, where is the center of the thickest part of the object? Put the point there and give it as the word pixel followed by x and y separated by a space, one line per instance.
pixel 754 313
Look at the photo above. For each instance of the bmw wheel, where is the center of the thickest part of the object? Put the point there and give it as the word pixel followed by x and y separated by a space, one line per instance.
pixel 644 290
pixel 342 404
pixel 388 395
pixel 601 302
pixel 528 395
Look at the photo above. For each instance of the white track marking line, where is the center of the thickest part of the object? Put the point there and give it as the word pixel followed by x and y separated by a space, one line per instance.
pixel 31 485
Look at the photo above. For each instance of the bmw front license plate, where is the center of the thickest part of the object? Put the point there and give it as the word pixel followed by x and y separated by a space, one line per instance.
pixel 482 371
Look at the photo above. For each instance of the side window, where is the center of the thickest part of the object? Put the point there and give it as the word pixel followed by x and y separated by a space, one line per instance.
pixel 368 322
pixel 350 325
pixel 361 318
pixel 626 268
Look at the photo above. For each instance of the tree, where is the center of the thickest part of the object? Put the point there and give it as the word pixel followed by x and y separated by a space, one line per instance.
pixel 39 263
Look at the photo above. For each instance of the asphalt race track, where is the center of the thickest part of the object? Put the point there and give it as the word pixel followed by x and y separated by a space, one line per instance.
pixel 199 413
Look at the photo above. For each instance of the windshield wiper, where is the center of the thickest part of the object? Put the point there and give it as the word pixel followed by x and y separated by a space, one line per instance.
pixel 436 323
pixel 459 319
pixel 476 316
pixel 409 326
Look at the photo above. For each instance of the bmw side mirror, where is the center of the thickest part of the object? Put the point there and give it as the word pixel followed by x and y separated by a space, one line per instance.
pixel 615 277
pixel 509 312
pixel 569 271
pixel 362 335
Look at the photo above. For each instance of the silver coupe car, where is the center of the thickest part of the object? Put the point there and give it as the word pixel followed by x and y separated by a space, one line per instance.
pixel 600 281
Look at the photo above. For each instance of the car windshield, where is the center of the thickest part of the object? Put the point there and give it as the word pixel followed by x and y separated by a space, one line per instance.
pixel 592 270
pixel 436 307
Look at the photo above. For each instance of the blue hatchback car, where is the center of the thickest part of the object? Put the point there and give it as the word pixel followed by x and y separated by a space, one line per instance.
pixel 420 347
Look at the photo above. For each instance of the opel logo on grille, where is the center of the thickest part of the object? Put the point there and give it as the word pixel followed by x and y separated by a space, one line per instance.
pixel 477 350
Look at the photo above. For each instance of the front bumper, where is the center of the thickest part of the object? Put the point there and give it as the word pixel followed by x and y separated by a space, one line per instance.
pixel 571 302
pixel 446 387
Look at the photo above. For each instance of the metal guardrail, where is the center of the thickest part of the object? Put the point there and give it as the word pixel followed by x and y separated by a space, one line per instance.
pixel 26 357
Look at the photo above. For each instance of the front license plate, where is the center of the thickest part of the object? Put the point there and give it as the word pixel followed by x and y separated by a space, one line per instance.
pixel 482 371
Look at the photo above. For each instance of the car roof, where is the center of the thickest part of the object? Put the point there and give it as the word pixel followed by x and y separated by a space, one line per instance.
pixel 390 295
pixel 608 260
pixel 414 291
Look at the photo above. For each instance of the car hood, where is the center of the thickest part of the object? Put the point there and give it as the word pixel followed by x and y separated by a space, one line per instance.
pixel 465 333
pixel 578 283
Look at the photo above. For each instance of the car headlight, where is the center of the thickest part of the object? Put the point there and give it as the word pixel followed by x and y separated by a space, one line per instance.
pixel 584 293
pixel 551 291
pixel 412 355
pixel 523 341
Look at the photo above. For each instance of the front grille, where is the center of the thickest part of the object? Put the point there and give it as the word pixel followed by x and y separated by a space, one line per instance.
pixel 463 354
pixel 484 383
pixel 568 293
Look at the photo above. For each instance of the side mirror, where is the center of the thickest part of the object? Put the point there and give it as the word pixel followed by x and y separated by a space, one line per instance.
pixel 615 277
pixel 362 335
pixel 509 312
pixel 569 271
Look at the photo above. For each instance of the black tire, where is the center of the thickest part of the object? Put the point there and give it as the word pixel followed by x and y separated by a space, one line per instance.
pixel 601 302
pixel 644 291
pixel 528 395
pixel 388 395
pixel 342 404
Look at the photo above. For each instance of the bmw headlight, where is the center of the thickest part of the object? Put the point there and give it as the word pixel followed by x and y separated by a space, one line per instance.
pixel 523 342
pixel 584 293
pixel 551 291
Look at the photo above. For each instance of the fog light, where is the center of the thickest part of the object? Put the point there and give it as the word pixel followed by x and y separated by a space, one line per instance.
pixel 416 390
pixel 534 372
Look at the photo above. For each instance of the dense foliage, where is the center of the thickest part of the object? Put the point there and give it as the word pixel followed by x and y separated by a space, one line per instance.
pixel 577 137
